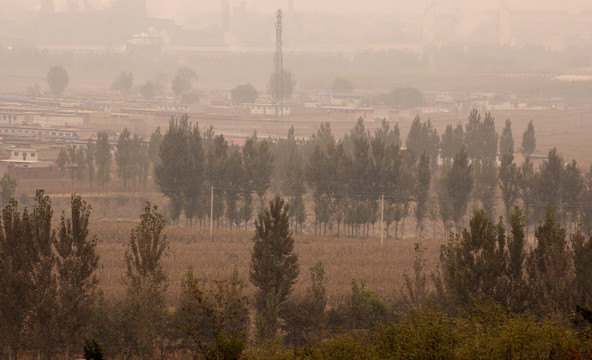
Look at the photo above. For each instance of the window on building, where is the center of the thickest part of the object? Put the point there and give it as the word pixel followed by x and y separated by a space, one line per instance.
pixel 16 153
pixel 32 154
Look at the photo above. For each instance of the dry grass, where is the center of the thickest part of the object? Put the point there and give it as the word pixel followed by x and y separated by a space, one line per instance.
pixel 381 267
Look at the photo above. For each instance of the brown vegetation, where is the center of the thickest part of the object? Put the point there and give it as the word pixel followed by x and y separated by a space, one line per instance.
pixel 380 267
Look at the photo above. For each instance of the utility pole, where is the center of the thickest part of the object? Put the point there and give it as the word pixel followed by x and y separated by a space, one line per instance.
pixel 278 71
pixel 382 221
pixel 212 214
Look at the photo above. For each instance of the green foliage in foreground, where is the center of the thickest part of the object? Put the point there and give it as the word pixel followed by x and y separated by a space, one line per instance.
pixel 488 332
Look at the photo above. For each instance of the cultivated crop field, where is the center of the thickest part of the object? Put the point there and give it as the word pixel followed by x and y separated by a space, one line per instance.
pixel 116 210
pixel 380 267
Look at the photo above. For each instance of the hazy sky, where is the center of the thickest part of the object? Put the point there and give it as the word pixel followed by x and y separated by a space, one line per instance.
pixel 179 9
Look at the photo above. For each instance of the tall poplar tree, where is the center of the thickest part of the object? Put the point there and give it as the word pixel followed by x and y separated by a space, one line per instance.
pixel 274 265
pixel 145 302
pixel 506 141
pixel 422 189
pixel 77 262
pixel 528 140
pixel 458 184
pixel 103 158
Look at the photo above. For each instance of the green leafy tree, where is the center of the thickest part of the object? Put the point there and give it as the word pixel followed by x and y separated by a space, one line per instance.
pixel 572 191
pixel 306 319
pixel 547 185
pixel 445 206
pixel 216 170
pixel 15 278
pixel 582 258
pixel 294 174
pixel 123 83
pixel 91 151
pixel 183 81
pixel 274 266
pixel 92 350
pixel 364 309
pixel 452 141
pixel 480 136
pixel 486 184
pixel 245 93
pixel 517 290
pixel 44 329
pixel 103 158
pixel 193 176
pixel 527 193
pixel 259 164
pixel 216 316
pixel 124 157
pixel 170 173
pixel 77 263
pixel 506 141
pixel 145 303
pixel 415 291
pixel 7 188
pixel 154 147
pixel 473 264
pixel 528 140
pixel 423 137
pixel 63 158
pixel 549 270
pixel 422 190
pixel 57 79
pixel 509 182
pixel 458 185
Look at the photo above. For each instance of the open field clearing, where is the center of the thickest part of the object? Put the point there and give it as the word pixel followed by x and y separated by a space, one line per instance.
pixel 380 267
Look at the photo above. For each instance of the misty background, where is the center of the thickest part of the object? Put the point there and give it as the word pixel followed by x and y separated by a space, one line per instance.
pixel 431 44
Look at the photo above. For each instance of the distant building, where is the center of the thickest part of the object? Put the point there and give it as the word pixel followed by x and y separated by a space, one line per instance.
pixel 24 158
pixel 143 44
pixel 265 109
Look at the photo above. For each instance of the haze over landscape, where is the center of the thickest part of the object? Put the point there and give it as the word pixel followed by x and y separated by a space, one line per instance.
pixel 274 179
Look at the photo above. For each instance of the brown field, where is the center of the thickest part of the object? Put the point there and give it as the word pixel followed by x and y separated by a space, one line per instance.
pixel 116 210
pixel 380 267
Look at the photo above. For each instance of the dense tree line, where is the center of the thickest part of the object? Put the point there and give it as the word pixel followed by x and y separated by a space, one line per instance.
pixel 48 278
pixel 431 177
pixel 192 164
pixel 490 293
pixel 93 161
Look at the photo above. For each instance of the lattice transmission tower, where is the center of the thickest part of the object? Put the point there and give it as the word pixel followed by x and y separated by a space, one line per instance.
pixel 278 71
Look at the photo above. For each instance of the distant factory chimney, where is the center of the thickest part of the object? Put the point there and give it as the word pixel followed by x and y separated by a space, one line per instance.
pixel 225 16
pixel 505 24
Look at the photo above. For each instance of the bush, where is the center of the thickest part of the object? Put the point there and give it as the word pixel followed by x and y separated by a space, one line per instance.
pixel 93 350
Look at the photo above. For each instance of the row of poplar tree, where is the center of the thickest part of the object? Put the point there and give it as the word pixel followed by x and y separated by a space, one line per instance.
pixel 93 162
pixel 349 179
